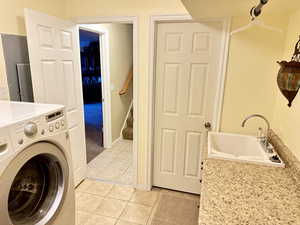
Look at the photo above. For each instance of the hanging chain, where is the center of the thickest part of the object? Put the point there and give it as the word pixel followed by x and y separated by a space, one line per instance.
pixel 296 56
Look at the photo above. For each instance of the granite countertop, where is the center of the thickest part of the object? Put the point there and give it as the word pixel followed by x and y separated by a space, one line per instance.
pixel 239 193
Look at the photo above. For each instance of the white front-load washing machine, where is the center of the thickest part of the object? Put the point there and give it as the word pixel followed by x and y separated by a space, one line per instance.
pixel 36 177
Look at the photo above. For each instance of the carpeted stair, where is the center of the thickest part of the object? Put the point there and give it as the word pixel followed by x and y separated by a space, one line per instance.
pixel 128 130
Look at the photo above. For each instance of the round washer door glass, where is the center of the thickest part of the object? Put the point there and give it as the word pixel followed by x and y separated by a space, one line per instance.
pixel 36 189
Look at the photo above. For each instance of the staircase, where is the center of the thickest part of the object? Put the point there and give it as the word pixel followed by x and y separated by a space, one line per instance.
pixel 127 132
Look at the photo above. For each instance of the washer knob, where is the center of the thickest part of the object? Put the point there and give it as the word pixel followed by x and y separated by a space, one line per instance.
pixel 30 129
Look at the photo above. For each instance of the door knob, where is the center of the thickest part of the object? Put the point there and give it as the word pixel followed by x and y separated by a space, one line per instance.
pixel 207 125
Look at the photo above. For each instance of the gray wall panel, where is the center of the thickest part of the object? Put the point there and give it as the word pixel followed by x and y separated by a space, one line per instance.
pixel 25 83
pixel 16 52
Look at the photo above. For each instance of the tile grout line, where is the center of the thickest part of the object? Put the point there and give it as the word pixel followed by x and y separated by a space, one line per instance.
pixel 130 200
pixel 153 209
pixel 123 211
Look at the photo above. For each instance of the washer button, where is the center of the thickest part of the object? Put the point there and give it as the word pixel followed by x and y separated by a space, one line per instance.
pixel 62 123
pixel 51 128
pixel 57 125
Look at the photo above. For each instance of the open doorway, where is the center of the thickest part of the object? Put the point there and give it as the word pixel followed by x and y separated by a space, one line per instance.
pixel 92 92
pixel 112 114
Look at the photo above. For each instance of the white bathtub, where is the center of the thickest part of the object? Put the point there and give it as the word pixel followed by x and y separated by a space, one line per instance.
pixel 241 148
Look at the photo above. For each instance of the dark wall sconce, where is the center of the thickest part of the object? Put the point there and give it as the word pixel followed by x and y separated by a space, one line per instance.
pixel 288 78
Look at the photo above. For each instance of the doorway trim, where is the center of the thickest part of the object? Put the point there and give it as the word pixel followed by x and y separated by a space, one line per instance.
pixel 105 84
pixel 154 20
pixel 134 21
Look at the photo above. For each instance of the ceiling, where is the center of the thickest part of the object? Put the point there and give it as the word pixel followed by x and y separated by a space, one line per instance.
pixel 222 8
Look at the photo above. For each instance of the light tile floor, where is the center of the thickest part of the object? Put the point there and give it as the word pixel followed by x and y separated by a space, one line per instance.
pixel 99 203
pixel 114 164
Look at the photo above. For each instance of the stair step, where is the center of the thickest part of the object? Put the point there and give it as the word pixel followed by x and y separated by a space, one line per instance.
pixel 129 122
pixel 128 133
pixel 131 112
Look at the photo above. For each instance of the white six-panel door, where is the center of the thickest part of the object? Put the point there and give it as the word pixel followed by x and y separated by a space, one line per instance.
pixel 56 77
pixel 187 62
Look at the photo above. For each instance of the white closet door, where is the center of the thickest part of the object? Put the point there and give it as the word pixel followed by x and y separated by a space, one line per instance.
pixel 186 78
pixel 54 60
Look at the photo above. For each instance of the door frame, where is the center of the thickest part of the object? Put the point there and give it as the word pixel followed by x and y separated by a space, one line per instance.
pixel 105 82
pixel 134 21
pixel 154 20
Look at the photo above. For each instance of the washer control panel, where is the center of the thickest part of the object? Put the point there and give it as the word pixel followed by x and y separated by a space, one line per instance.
pixel 31 130
pixel 55 121
pixel 54 116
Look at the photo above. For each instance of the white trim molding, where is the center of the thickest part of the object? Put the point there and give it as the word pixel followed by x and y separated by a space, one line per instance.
pixel 222 74
pixel 154 20
pixel 134 21
pixel 116 141
pixel 105 19
pixel 125 120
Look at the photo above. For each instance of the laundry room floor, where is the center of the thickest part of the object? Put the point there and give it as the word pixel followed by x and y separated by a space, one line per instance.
pixel 114 164
pixel 99 203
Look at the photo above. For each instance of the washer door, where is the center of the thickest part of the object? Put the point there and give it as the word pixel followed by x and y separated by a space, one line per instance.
pixel 34 185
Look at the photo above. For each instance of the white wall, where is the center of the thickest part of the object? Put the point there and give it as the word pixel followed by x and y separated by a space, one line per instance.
pixel 250 85
pixel 286 120
pixel 12 13
pixel 121 50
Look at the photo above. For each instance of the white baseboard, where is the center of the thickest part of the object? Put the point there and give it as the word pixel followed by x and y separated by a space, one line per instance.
pixel 116 141
pixel 143 187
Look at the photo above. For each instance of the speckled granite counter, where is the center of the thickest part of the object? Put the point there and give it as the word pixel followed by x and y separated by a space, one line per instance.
pixel 239 194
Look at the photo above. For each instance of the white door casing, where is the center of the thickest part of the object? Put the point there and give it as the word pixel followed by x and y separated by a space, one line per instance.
pixel 53 46
pixel 187 68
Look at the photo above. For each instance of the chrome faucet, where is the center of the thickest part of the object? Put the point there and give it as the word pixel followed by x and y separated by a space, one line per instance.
pixel 263 139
